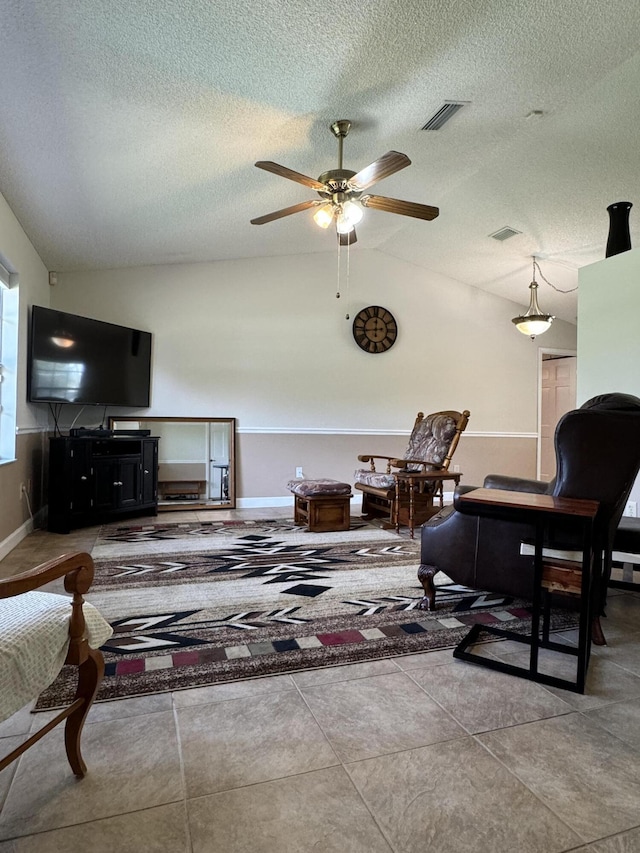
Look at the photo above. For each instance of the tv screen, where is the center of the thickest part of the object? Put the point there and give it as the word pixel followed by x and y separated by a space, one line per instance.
pixel 87 362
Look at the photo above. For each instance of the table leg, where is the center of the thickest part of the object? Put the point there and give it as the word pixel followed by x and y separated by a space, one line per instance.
pixel 411 486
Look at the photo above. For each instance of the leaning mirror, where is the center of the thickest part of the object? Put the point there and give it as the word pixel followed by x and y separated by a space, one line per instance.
pixel 196 460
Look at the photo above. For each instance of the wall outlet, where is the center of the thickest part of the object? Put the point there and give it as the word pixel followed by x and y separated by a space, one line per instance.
pixel 631 509
pixel 299 472
pixel 456 469
pixel 22 491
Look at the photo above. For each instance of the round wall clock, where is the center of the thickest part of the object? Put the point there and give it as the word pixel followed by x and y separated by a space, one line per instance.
pixel 375 329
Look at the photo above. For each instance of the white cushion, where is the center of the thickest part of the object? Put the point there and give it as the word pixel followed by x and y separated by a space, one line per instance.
pixel 34 638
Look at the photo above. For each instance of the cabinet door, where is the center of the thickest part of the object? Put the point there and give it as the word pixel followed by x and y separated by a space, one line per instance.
pixel 81 492
pixel 105 484
pixel 128 488
pixel 149 471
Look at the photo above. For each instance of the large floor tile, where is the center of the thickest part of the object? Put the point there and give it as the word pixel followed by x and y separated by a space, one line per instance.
pixel 232 690
pixel 424 659
pixel 244 741
pixel 606 681
pixel 621 719
pixel 8 744
pixel 158 830
pixel 626 842
pixel 622 615
pixel 588 777
pixel 372 716
pixel 327 674
pixel 132 764
pixel 114 710
pixel 18 723
pixel 454 797
pixel 623 650
pixel 481 699
pixel 319 811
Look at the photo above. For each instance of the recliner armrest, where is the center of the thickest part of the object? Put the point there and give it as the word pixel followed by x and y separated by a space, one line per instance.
pixel 515 484
pixel 461 490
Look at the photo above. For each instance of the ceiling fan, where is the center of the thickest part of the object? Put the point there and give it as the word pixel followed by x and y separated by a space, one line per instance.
pixel 341 191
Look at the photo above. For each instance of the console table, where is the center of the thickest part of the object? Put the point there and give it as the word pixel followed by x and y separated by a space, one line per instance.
pixel 540 511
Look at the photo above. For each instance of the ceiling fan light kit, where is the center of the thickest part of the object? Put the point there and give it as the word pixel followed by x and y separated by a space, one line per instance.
pixel 340 190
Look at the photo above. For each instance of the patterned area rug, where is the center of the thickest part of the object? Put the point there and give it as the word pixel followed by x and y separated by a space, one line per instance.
pixel 194 604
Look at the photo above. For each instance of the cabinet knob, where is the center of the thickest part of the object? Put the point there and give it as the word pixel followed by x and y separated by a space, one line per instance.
pixel 145 471
pixel 83 477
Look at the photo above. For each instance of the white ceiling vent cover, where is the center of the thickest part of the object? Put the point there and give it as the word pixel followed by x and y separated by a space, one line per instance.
pixel 442 115
pixel 505 233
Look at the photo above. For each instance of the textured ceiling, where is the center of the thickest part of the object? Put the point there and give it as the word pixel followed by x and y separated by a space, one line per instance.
pixel 129 128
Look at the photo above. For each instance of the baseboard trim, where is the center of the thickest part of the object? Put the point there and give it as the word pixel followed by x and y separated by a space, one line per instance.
pixel 7 545
pixel 287 500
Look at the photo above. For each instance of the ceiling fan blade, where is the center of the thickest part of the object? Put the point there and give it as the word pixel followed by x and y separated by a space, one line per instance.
pixel 287 211
pixel 347 239
pixel 395 205
pixel 277 169
pixel 381 168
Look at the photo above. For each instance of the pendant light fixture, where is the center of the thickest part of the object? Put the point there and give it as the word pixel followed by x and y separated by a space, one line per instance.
pixel 533 322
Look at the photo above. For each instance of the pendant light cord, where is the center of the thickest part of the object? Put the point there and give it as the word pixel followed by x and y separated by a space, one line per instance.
pixel 536 266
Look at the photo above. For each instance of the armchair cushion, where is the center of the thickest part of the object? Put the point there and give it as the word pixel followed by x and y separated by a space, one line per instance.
pixel 431 439
pixel 375 479
pixel 34 638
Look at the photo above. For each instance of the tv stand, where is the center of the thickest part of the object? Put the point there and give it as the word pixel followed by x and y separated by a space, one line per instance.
pixel 95 479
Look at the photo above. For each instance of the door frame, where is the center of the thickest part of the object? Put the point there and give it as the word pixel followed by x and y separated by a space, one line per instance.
pixel 542 351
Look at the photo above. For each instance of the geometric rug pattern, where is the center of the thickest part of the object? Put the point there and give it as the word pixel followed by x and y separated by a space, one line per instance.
pixel 194 604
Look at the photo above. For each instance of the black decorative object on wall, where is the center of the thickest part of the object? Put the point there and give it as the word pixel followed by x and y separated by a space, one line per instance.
pixel 619 239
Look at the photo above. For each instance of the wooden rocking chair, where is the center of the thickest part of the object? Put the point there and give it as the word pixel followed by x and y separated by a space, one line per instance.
pixel 39 633
pixel 432 444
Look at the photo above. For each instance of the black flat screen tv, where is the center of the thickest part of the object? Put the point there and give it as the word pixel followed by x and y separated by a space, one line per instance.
pixel 87 362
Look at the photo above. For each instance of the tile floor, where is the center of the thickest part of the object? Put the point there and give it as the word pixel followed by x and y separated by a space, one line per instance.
pixel 407 754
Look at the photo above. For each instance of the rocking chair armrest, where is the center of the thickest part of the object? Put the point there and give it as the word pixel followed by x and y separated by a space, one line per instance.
pixel 77 571
pixel 426 466
pixel 76 568
pixel 370 457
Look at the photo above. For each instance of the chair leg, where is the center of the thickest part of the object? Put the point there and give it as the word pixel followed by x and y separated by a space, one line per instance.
pixel 90 675
pixel 426 575
pixel 597 634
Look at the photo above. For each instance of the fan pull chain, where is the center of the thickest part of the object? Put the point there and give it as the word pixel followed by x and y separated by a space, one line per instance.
pixel 338 247
pixel 346 316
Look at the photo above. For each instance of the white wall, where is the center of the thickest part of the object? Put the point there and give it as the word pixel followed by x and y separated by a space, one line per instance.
pixel 266 341
pixel 608 339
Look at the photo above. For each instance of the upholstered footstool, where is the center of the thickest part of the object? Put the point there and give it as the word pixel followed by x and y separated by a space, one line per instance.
pixel 323 505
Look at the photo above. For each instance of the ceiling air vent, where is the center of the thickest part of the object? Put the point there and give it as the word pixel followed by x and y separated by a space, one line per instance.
pixel 443 114
pixel 505 233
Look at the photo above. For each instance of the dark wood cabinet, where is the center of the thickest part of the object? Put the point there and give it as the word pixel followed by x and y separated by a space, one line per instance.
pixel 92 480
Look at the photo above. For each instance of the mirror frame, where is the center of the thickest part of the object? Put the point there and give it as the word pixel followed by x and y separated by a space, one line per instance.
pixel 186 505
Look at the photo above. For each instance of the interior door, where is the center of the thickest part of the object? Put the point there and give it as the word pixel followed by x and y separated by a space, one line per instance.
pixel 558 396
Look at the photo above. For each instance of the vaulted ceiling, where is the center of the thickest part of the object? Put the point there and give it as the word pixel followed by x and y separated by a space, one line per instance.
pixel 129 129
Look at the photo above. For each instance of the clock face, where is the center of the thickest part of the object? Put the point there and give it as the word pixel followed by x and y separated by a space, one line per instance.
pixel 375 329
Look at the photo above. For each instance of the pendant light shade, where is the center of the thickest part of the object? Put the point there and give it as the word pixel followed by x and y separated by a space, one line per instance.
pixel 533 322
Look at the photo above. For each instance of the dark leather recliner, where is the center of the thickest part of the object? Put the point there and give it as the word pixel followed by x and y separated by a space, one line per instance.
pixel 597 458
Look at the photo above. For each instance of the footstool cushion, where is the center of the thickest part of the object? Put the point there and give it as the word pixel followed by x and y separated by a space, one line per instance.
pixel 312 488
pixel 323 504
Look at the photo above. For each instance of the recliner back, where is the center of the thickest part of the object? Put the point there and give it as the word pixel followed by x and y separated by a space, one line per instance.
pixel 598 453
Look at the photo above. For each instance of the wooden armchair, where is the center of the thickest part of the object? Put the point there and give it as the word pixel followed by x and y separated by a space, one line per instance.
pixel 432 444
pixel 39 633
